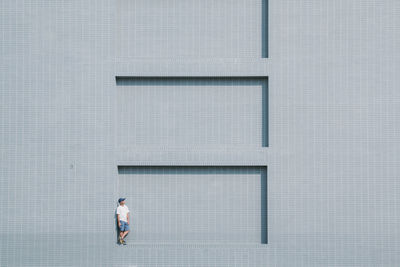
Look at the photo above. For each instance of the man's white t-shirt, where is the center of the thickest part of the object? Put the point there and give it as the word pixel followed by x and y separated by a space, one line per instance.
pixel 123 212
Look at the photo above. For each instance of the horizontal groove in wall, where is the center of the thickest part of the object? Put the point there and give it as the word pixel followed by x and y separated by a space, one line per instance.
pixel 195 245
pixel 145 80
pixel 123 169
pixel 189 67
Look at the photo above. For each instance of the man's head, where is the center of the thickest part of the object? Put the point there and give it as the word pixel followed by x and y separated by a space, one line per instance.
pixel 121 201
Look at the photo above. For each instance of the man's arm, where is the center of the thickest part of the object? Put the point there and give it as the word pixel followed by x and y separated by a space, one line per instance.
pixel 119 223
pixel 127 216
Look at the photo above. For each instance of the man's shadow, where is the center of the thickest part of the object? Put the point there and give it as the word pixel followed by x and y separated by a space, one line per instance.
pixel 116 223
pixel 116 227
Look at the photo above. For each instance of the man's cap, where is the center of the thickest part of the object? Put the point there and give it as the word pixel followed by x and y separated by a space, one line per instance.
pixel 121 199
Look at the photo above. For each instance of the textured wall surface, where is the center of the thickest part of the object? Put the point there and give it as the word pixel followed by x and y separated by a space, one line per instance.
pixel 333 130
pixel 196 204
pixel 192 112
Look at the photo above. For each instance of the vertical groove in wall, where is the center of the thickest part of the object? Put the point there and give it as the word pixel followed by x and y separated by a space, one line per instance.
pixel 264 206
pixel 264 28
pixel 264 116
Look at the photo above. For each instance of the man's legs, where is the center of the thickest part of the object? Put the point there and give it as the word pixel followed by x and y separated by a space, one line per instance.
pixel 120 236
pixel 124 234
pixel 124 229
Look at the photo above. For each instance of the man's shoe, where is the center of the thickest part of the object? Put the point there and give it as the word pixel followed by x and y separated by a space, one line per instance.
pixel 123 242
pixel 120 240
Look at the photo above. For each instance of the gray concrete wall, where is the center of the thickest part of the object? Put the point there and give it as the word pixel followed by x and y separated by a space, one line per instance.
pixel 333 129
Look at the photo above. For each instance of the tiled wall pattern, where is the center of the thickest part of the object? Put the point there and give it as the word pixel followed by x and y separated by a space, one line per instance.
pixel 190 112
pixel 195 204
pixel 333 120
pixel 190 29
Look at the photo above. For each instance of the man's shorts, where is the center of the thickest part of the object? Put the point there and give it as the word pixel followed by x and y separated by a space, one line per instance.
pixel 124 226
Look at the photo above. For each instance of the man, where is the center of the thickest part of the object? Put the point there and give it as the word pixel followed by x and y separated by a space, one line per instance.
pixel 123 220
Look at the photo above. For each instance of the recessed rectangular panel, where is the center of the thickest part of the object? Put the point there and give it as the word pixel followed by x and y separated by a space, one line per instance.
pixel 213 204
pixel 192 29
pixel 195 112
